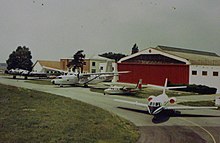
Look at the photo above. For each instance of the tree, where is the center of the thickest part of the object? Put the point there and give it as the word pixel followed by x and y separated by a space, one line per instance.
pixel 21 58
pixel 134 49
pixel 115 56
pixel 78 61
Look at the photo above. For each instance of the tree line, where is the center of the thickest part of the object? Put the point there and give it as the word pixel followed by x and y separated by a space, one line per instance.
pixel 21 58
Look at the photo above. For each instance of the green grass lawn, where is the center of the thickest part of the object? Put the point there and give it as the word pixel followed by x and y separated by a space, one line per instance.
pixel 42 82
pixel 198 103
pixel 32 116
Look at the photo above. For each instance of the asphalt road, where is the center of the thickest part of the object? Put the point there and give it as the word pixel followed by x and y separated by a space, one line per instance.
pixel 189 126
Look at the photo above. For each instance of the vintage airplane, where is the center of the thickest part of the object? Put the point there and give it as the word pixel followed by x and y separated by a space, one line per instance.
pixel 25 73
pixel 123 90
pixel 157 104
pixel 72 78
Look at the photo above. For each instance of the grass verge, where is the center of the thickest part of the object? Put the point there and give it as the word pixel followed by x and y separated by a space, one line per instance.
pixel 32 116
pixel 42 82
pixel 198 103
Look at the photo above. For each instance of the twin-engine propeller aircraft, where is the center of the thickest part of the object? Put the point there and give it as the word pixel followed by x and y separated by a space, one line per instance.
pixel 123 90
pixel 84 78
pixel 157 104
pixel 25 73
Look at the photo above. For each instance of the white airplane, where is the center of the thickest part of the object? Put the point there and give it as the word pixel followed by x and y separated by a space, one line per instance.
pixel 157 104
pixel 83 78
pixel 123 90
pixel 25 73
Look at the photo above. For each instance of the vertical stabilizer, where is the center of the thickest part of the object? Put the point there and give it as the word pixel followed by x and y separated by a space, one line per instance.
pixel 139 84
pixel 165 86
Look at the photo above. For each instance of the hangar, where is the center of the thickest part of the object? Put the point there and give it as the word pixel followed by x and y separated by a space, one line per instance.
pixel 180 66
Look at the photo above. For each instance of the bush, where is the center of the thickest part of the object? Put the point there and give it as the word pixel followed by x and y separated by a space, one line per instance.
pixel 200 89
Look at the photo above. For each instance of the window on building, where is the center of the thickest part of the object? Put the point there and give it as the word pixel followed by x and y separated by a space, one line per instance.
pixel 215 73
pixel 194 72
pixel 204 73
pixel 101 68
pixel 93 63
pixel 93 70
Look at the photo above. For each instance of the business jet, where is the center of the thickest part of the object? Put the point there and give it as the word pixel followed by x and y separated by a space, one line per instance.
pixel 25 73
pixel 123 90
pixel 157 104
pixel 83 78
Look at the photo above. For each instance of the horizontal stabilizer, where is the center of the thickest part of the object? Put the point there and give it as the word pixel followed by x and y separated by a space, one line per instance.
pixel 104 73
pixel 162 87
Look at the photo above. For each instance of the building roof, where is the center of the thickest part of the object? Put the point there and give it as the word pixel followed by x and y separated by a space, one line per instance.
pixel 189 51
pixel 188 56
pixel 96 57
pixel 193 56
pixel 50 64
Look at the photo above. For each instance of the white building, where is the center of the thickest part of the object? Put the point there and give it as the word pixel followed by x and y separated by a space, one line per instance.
pixel 100 64
pixel 47 66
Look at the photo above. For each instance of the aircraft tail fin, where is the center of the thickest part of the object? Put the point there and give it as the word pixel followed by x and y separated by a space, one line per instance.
pixel 139 84
pixel 165 86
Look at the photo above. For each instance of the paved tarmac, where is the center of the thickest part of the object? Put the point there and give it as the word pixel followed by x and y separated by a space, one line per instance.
pixel 189 126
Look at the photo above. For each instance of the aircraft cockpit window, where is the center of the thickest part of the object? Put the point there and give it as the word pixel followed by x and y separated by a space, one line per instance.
pixel 153 104
pixel 157 104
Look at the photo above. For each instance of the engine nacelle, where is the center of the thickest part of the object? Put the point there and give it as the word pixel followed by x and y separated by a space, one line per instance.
pixel 150 98
pixel 172 100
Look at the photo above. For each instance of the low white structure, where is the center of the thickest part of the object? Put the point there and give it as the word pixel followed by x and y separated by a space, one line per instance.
pixel 205 75
pixel 217 101
pixel 46 66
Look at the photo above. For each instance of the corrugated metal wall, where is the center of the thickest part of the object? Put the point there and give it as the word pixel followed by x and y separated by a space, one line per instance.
pixel 154 73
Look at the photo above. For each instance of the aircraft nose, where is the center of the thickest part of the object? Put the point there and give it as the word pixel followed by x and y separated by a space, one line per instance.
pixel 152 109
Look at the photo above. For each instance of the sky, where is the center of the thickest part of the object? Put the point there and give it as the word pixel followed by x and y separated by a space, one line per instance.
pixel 54 29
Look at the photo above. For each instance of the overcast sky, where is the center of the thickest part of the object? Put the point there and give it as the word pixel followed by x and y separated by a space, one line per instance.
pixel 55 29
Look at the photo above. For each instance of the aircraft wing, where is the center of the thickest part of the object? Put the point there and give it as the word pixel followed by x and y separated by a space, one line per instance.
pixel 103 73
pixel 189 107
pixel 162 87
pixel 130 102
pixel 98 74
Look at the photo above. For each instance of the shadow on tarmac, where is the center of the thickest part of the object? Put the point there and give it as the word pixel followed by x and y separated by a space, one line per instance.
pixel 165 115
